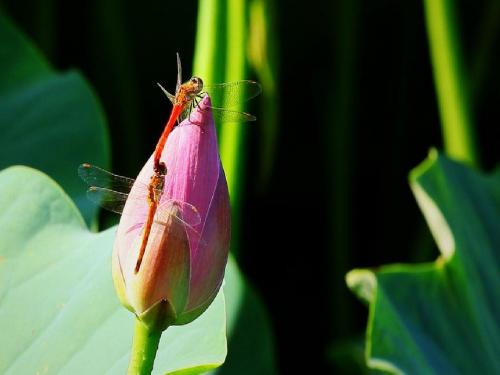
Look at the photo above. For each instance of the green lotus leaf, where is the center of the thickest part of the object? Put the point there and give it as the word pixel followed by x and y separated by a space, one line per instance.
pixel 50 121
pixel 58 310
pixel 441 317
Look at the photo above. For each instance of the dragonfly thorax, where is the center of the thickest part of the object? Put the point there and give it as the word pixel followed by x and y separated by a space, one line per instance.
pixel 191 88
pixel 156 187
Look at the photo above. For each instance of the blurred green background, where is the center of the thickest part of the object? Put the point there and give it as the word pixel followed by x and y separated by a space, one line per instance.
pixel 319 182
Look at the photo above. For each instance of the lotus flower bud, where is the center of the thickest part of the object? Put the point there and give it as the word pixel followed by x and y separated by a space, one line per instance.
pixel 185 256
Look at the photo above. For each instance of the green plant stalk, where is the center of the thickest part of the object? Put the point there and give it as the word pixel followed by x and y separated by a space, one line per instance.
pixel 144 349
pixel 220 55
pixel 209 53
pixel 232 136
pixel 263 59
pixel 451 83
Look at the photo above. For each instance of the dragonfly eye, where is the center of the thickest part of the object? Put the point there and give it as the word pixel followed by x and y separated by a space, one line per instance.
pixel 197 82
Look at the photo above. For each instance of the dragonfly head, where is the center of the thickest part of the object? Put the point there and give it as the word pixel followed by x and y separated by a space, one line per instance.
pixel 195 85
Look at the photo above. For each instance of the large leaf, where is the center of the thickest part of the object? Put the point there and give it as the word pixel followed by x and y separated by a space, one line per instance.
pixel 442 317
pixel 58 309
pixel 48 120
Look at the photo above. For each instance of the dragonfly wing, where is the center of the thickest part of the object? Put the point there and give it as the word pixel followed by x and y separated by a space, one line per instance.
pixel 169 95
pixel 181 213
pixel 228 115
pixel 179 74
pixel 98 177
pixel 114 201
pixel 110 200
pixel 185 114
pixel 174 212
pixel 184 212
pixel 231 94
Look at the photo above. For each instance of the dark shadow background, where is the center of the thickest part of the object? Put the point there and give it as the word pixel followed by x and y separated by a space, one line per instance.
pixel 358 111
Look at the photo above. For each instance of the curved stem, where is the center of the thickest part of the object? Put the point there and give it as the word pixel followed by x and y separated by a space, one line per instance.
pixel 144 349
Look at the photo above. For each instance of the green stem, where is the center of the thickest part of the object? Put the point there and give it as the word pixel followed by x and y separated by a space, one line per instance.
pixel 263 58
pixel 451 85
pixel 232 138
pixel 209 52
pixel 144 349
pixel 220 56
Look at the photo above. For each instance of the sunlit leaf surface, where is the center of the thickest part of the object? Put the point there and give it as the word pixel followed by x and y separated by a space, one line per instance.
pixel 58 309
pixel 442 317
pixel 48 120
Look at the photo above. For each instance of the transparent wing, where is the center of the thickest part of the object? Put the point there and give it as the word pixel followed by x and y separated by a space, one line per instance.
pixel 179 74
pixel 228 115
pixel 110 200
pixel 170 96
pixel 230 94
pixel 100 192
pixel 98 177
pixel 114 201
pixel 182 212
pixel 185 114
pixel 110 191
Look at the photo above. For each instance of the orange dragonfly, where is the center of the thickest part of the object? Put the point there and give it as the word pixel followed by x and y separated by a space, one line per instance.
pixel 222 96
pixel 112 191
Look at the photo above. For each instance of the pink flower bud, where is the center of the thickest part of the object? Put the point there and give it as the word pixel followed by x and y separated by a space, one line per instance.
pixel 186 253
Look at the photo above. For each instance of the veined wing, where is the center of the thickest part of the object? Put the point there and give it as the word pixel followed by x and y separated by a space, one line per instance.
pixel 170 96
pixel 228 115
pixel 185 212
pixel 109 190
pixel 98 177
pixel 114 201
pixel 220 114
pixel 182 212
pixel 230 94
pixel 108 199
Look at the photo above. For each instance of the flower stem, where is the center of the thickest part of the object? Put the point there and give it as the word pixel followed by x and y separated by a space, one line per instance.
pixel 144 349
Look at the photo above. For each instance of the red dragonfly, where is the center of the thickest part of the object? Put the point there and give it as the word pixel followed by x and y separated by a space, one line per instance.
pixel 187 97
pixel 111 191
pixel 222 96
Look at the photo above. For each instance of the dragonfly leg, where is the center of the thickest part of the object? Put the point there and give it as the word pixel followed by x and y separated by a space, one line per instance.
pixel 194 104
pixel 199 97
pixel 191 107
